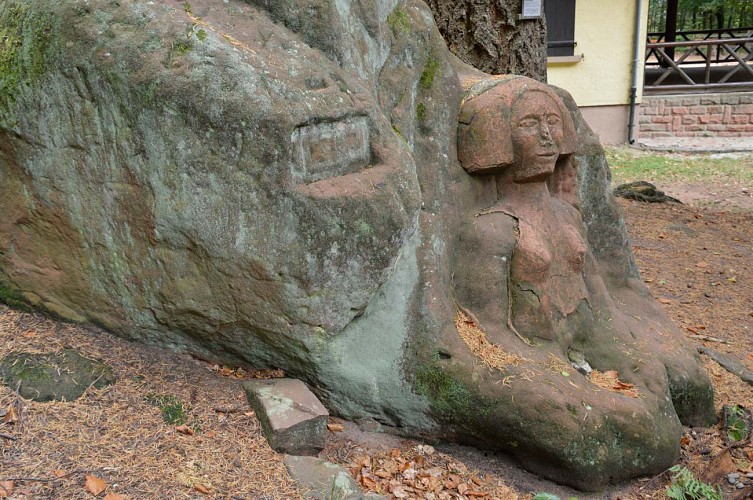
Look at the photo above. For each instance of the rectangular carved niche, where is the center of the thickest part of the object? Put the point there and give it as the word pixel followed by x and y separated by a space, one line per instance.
pixel 331 149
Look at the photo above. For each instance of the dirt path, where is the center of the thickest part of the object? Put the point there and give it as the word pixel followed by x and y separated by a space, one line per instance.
pixel 696 259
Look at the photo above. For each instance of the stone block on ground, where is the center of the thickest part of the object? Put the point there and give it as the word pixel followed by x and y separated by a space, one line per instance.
pixel 63 376
pixel 320 479
pixel 293 419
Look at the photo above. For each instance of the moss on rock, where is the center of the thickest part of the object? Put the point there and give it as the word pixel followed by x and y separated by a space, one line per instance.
pixel 429 73
pixel 399 21
pixel 12 298
pixel 53 377
pixel 451 398
pixel 25 37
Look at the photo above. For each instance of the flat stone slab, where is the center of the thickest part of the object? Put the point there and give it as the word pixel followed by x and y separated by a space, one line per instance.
pixel 322 480
pixel 62 376
pixel 293 419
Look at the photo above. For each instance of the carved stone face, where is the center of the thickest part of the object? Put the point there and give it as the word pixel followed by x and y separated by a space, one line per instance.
pixel 537 133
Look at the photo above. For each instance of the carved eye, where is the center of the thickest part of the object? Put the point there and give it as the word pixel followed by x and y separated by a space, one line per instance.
pixel 527 123
pixel 553 120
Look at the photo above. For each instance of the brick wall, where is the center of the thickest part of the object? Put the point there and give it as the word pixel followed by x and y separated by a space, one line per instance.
pixel 706 115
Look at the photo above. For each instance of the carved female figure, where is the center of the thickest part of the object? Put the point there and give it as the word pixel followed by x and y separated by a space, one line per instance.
pixel 519 133
pixel 522 265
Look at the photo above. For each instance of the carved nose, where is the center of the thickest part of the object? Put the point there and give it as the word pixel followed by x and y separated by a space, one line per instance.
pixel 545 133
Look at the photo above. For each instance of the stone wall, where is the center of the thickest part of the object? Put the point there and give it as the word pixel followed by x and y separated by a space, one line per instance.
pixel 707 115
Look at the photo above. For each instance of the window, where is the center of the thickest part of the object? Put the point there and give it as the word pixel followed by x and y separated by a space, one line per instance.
pixel 560 27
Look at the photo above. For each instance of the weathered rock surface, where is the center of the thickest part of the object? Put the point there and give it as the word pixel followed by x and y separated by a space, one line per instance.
pixel 293 419
pixel 60 376
pixel 277 184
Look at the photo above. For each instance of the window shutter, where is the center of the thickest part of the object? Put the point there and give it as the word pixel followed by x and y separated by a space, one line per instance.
pixel 560 27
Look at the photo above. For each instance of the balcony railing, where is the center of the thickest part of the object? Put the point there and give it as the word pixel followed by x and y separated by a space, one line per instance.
pixel 712 60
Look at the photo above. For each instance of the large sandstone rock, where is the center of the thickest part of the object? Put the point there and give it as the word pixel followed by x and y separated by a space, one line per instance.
pixel 277 184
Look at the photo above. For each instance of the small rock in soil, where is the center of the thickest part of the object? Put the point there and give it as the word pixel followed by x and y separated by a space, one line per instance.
pixel 369 425
pixel 643 191
pixel 681 228
pixel 54 377
pixel 733 477
pixel 293 419
pixel 323 479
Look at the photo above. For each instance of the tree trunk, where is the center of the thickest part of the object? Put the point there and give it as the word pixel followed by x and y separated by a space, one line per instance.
pixel 487 34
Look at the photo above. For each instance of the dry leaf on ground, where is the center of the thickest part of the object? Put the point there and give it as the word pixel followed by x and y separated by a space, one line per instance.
pixel 184 429
pixel 114 496
pixel 335 427
pixel 6 488
pixel 11 416
pixel 202 489
pixel 610 380
pixel 719 467
pixel 94 485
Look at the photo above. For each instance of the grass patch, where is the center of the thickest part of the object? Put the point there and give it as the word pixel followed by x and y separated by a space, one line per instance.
pixel 174 412
pixel 628 165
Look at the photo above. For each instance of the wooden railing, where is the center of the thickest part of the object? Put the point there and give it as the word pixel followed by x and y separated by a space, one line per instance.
pixel 654 59
pixel 715 60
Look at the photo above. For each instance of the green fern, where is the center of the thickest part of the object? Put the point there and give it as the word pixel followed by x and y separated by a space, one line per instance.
pixel 686 487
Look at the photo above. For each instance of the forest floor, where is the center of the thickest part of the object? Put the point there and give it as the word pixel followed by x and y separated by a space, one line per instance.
pixel 696 257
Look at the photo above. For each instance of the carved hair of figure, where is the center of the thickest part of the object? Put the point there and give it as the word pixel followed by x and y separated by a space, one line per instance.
pixel 485 143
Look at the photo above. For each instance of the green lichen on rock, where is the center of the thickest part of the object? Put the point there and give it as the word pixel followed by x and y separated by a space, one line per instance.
pixel 429 73
pixel 399 133
pixel 12 298
pixel 421 111
pixel 449 396
pixel 25 37
pixel 692 402
pixel 177 49
pixel 399 21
